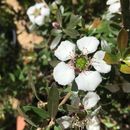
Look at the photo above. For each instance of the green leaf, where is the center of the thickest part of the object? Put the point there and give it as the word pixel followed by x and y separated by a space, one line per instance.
pixel 55 42
pixel 122 40
pixel 12 77
pixel 71 108
pixel 53 102
pixel 40 112
pixel 55 32
pixel 31 83
pixel 127 60
pixel 71 33
pixel 26 117
pixel 57 128
pixel 59 17
pixel 125 69
pixel 74 20
pixel 126 52
pixel 111 58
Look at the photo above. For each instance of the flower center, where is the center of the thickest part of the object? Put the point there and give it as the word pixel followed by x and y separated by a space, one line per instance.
pixel 37 12
pixel 81 62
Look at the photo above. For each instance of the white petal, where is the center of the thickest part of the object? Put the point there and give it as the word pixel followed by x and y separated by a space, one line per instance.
pixel 88 80
pixel 114 8
pixel 39 20
pixel 109 2
pixel 101 66
pixel 65 122
pixel 99 55
pixel 88 44
pixel 45 11
pixel 65 51
pixel 32 18
pixel 93 124
pixel 31 10
pixel 39 5
pixel 63 73
pixel 90 100
pixel 93 127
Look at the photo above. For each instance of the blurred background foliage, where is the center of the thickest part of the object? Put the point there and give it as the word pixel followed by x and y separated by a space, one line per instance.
pixel 26 68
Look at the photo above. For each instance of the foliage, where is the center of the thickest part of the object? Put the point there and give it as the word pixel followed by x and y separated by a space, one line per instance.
pixel 26 74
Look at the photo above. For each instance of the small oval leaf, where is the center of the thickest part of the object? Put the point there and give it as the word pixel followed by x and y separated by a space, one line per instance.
pixel 127 60
pixel 111 59
pixel 53 102
pixel 59 17
pixel 122 39
pixel 71 33
pixel 125 69
pixel 40 112
pixel 55 42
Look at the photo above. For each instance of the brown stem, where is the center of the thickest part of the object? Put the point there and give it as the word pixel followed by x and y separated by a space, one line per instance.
pixel 65 99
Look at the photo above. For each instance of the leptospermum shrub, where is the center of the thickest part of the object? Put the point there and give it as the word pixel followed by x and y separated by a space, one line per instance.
pixel 78 76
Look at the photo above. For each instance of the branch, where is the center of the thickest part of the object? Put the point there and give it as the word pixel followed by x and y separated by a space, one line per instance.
pixel 65 99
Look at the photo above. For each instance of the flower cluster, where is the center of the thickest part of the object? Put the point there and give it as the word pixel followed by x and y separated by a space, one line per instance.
pixel 81 63
pixel 79 67
pixel 90 122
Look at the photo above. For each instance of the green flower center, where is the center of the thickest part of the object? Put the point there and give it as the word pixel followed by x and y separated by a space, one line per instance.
pixel 81 62
pixel 37 12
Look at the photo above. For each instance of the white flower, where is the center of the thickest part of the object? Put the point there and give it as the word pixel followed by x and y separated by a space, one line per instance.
pixel 114 6
pixel 93 124
pixel 90 100
pixel 65 122
pixel 37 13
pixel 87 80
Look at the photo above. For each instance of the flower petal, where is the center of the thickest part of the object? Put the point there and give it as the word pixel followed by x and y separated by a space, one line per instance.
pixel 101 66
pixel 88 80
pixel 39 5
pixel 45 11
pixel 90 100
pixel 32 18
pixel 39 20
pixel 63 73
pixel 65 51
pixel 93 124
pixel 65 122
pixel 114 8
pixel 109 2
pixel 99 55
pixel 31 10
pixel 88 44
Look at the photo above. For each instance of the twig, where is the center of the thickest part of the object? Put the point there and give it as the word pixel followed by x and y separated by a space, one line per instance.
pixel 51 123
pixel 65 99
